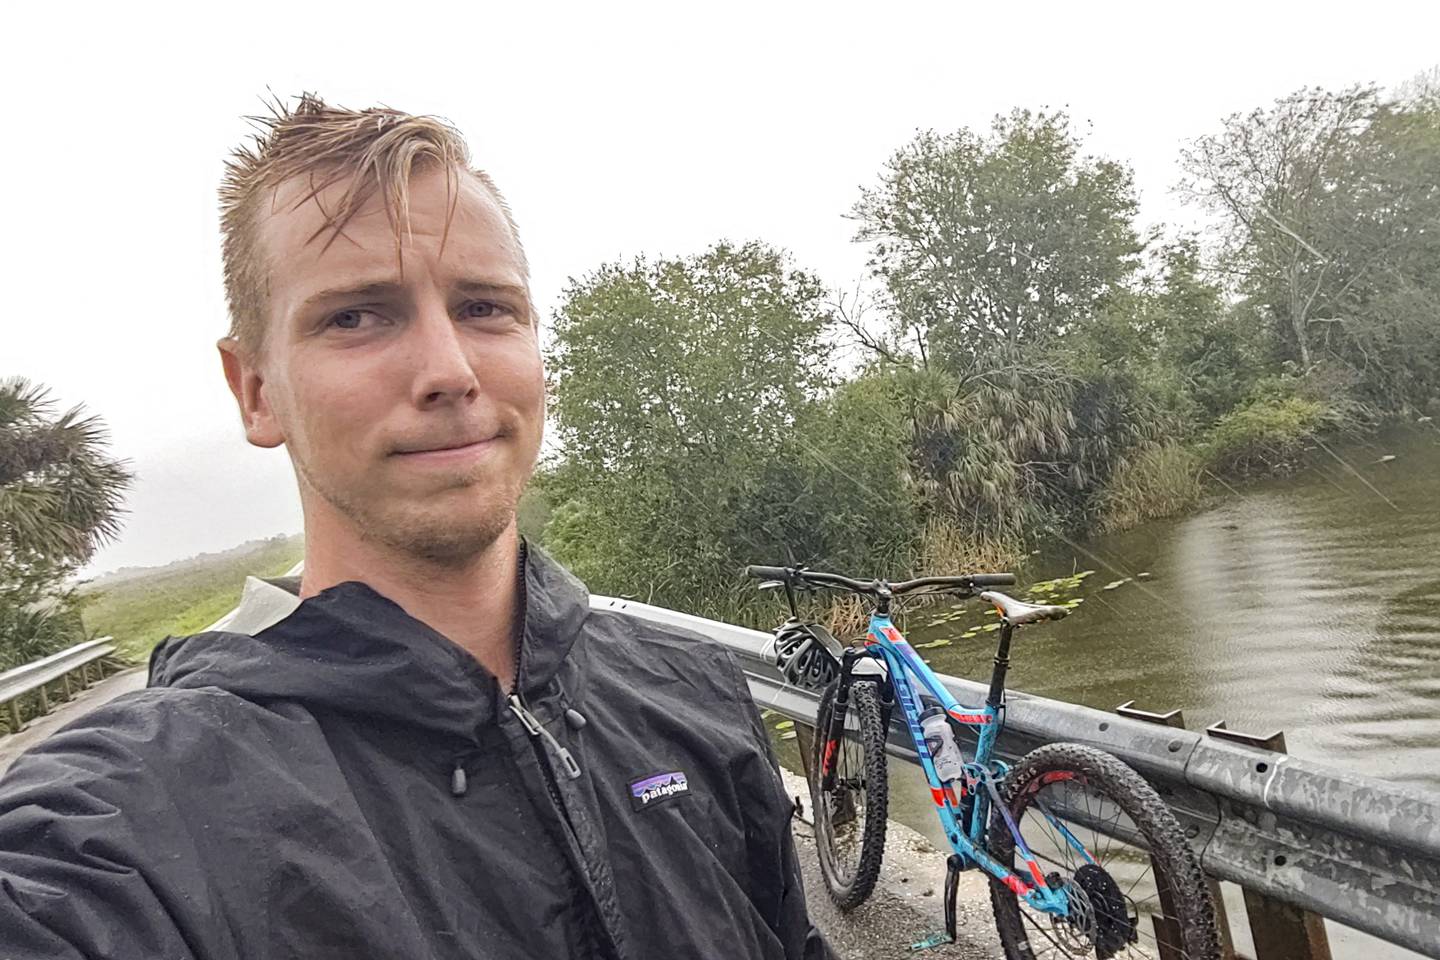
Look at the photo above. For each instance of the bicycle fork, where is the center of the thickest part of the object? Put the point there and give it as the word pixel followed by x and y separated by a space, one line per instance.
pixel 834 732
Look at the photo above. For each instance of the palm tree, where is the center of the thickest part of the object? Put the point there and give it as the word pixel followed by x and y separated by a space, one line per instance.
pixel 60 499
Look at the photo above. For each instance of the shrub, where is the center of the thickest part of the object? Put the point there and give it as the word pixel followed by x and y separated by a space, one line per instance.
pixel 1264 435
pixel 1159 482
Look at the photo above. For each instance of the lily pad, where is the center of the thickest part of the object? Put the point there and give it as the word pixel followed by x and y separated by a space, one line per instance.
pixel 942 642
pixel 1116 583
pixel 784 724
pixel 788 736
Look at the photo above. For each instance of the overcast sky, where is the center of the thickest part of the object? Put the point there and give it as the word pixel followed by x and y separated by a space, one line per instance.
pixel 655 130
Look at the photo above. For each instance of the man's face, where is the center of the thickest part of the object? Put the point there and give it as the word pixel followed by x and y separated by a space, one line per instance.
pixel 411 402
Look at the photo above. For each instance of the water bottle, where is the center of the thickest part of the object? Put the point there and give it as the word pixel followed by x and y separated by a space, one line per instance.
pixel 940 741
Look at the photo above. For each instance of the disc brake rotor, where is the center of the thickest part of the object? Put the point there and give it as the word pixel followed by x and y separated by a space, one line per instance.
pixel 1112 925
pixel 1074 932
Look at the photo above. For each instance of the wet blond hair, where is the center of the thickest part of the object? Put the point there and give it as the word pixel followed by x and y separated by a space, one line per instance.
pixel 377 149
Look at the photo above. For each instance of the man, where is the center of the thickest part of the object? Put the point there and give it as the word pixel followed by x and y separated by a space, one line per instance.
pixel 435 748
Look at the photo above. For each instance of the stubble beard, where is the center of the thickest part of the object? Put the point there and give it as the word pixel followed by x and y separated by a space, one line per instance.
pixel 426 535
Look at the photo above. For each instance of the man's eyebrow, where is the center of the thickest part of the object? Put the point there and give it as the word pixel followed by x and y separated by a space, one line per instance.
pixel 388 288
pixel 360 291
pixel 484 287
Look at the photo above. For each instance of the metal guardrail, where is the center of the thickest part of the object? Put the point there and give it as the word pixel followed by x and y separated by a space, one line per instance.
pixel 1359 851
pixel 33 677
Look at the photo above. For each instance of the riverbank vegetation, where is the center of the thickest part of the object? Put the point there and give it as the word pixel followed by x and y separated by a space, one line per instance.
pixel 1029 363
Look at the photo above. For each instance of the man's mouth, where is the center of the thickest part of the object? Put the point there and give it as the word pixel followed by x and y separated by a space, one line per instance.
pixel 448 449
pixel 445 445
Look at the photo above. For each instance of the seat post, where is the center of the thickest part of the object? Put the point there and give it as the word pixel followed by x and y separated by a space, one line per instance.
pixel 1002 665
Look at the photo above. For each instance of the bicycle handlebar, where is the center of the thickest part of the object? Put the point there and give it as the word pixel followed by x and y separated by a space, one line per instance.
pixel 972 581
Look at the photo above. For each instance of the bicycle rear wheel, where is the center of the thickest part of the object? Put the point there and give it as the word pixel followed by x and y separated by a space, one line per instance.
pixel 850 817
pixel 1139 892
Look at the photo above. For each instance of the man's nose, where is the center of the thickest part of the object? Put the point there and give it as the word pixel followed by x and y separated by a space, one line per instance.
pixel 443 371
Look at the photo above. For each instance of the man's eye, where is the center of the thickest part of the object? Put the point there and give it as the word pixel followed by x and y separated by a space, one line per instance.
pixel 348 319
pixel 481 310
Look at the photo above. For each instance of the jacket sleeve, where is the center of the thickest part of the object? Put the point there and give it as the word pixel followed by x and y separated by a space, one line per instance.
pixel 74 881
pixel 779 891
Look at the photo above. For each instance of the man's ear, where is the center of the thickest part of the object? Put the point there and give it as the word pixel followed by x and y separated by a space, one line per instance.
pixel 243 374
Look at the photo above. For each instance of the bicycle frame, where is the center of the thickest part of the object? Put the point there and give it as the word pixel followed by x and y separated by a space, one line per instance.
pixel 963 818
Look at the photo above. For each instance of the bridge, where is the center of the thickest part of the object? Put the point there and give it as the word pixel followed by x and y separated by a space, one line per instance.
pixel 1302 841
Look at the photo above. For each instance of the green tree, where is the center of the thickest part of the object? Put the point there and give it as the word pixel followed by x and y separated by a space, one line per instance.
pixel 1177 339
pixel 1330 202
pixel 1269 175
pixel 996 251
pixel 1006 240
pixel 60 498
pixel 677 386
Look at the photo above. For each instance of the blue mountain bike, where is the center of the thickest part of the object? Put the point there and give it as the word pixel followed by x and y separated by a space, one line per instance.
pixel 1084 859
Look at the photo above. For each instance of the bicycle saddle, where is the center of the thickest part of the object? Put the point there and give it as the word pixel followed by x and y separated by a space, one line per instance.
pixel 1018 611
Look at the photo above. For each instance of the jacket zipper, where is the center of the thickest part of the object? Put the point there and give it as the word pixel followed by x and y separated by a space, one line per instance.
pixel 540 738
pixel 537 731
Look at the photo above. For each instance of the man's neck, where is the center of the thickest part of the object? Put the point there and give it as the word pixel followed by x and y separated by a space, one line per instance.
pixel 475 605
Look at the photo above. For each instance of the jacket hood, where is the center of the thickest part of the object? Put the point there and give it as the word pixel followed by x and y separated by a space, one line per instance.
pixel 349 649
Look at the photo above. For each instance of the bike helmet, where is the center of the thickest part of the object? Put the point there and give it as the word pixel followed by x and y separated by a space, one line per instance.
pixel 807 655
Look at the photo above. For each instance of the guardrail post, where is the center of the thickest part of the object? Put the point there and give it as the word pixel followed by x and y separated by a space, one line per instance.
pixel 44 698
pixel 1280 931
pixel 16 724
pixel 1167 932
pixel 805 740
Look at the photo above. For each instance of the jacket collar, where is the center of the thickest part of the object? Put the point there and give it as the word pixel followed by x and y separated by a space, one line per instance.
pixel 353 650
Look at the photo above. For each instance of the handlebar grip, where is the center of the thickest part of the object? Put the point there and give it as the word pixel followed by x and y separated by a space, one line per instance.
pixel 993 579
pixel 767 573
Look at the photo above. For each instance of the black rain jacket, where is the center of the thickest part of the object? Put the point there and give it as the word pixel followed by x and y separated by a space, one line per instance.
pixel 350 783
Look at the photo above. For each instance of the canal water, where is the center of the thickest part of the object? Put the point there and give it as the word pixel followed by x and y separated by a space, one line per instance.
pixel 1308 604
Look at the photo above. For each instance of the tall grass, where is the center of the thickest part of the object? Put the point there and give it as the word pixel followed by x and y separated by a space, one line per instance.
pixel 1159 482
pixel 139 609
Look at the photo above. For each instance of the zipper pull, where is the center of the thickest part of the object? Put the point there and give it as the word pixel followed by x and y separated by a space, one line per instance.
pixel 533 727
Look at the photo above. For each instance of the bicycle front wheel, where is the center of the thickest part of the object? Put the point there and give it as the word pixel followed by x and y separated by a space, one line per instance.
pixel 850 815
pixel 1136 890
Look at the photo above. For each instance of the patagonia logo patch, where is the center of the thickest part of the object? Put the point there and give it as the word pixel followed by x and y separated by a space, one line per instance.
pixel 649 791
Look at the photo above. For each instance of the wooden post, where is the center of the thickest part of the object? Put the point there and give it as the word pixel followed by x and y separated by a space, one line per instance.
pixel 1167 930
pixel 1280 931
pixel 16 724
pixel 44 698
pixel 69 693
pixel 84 676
